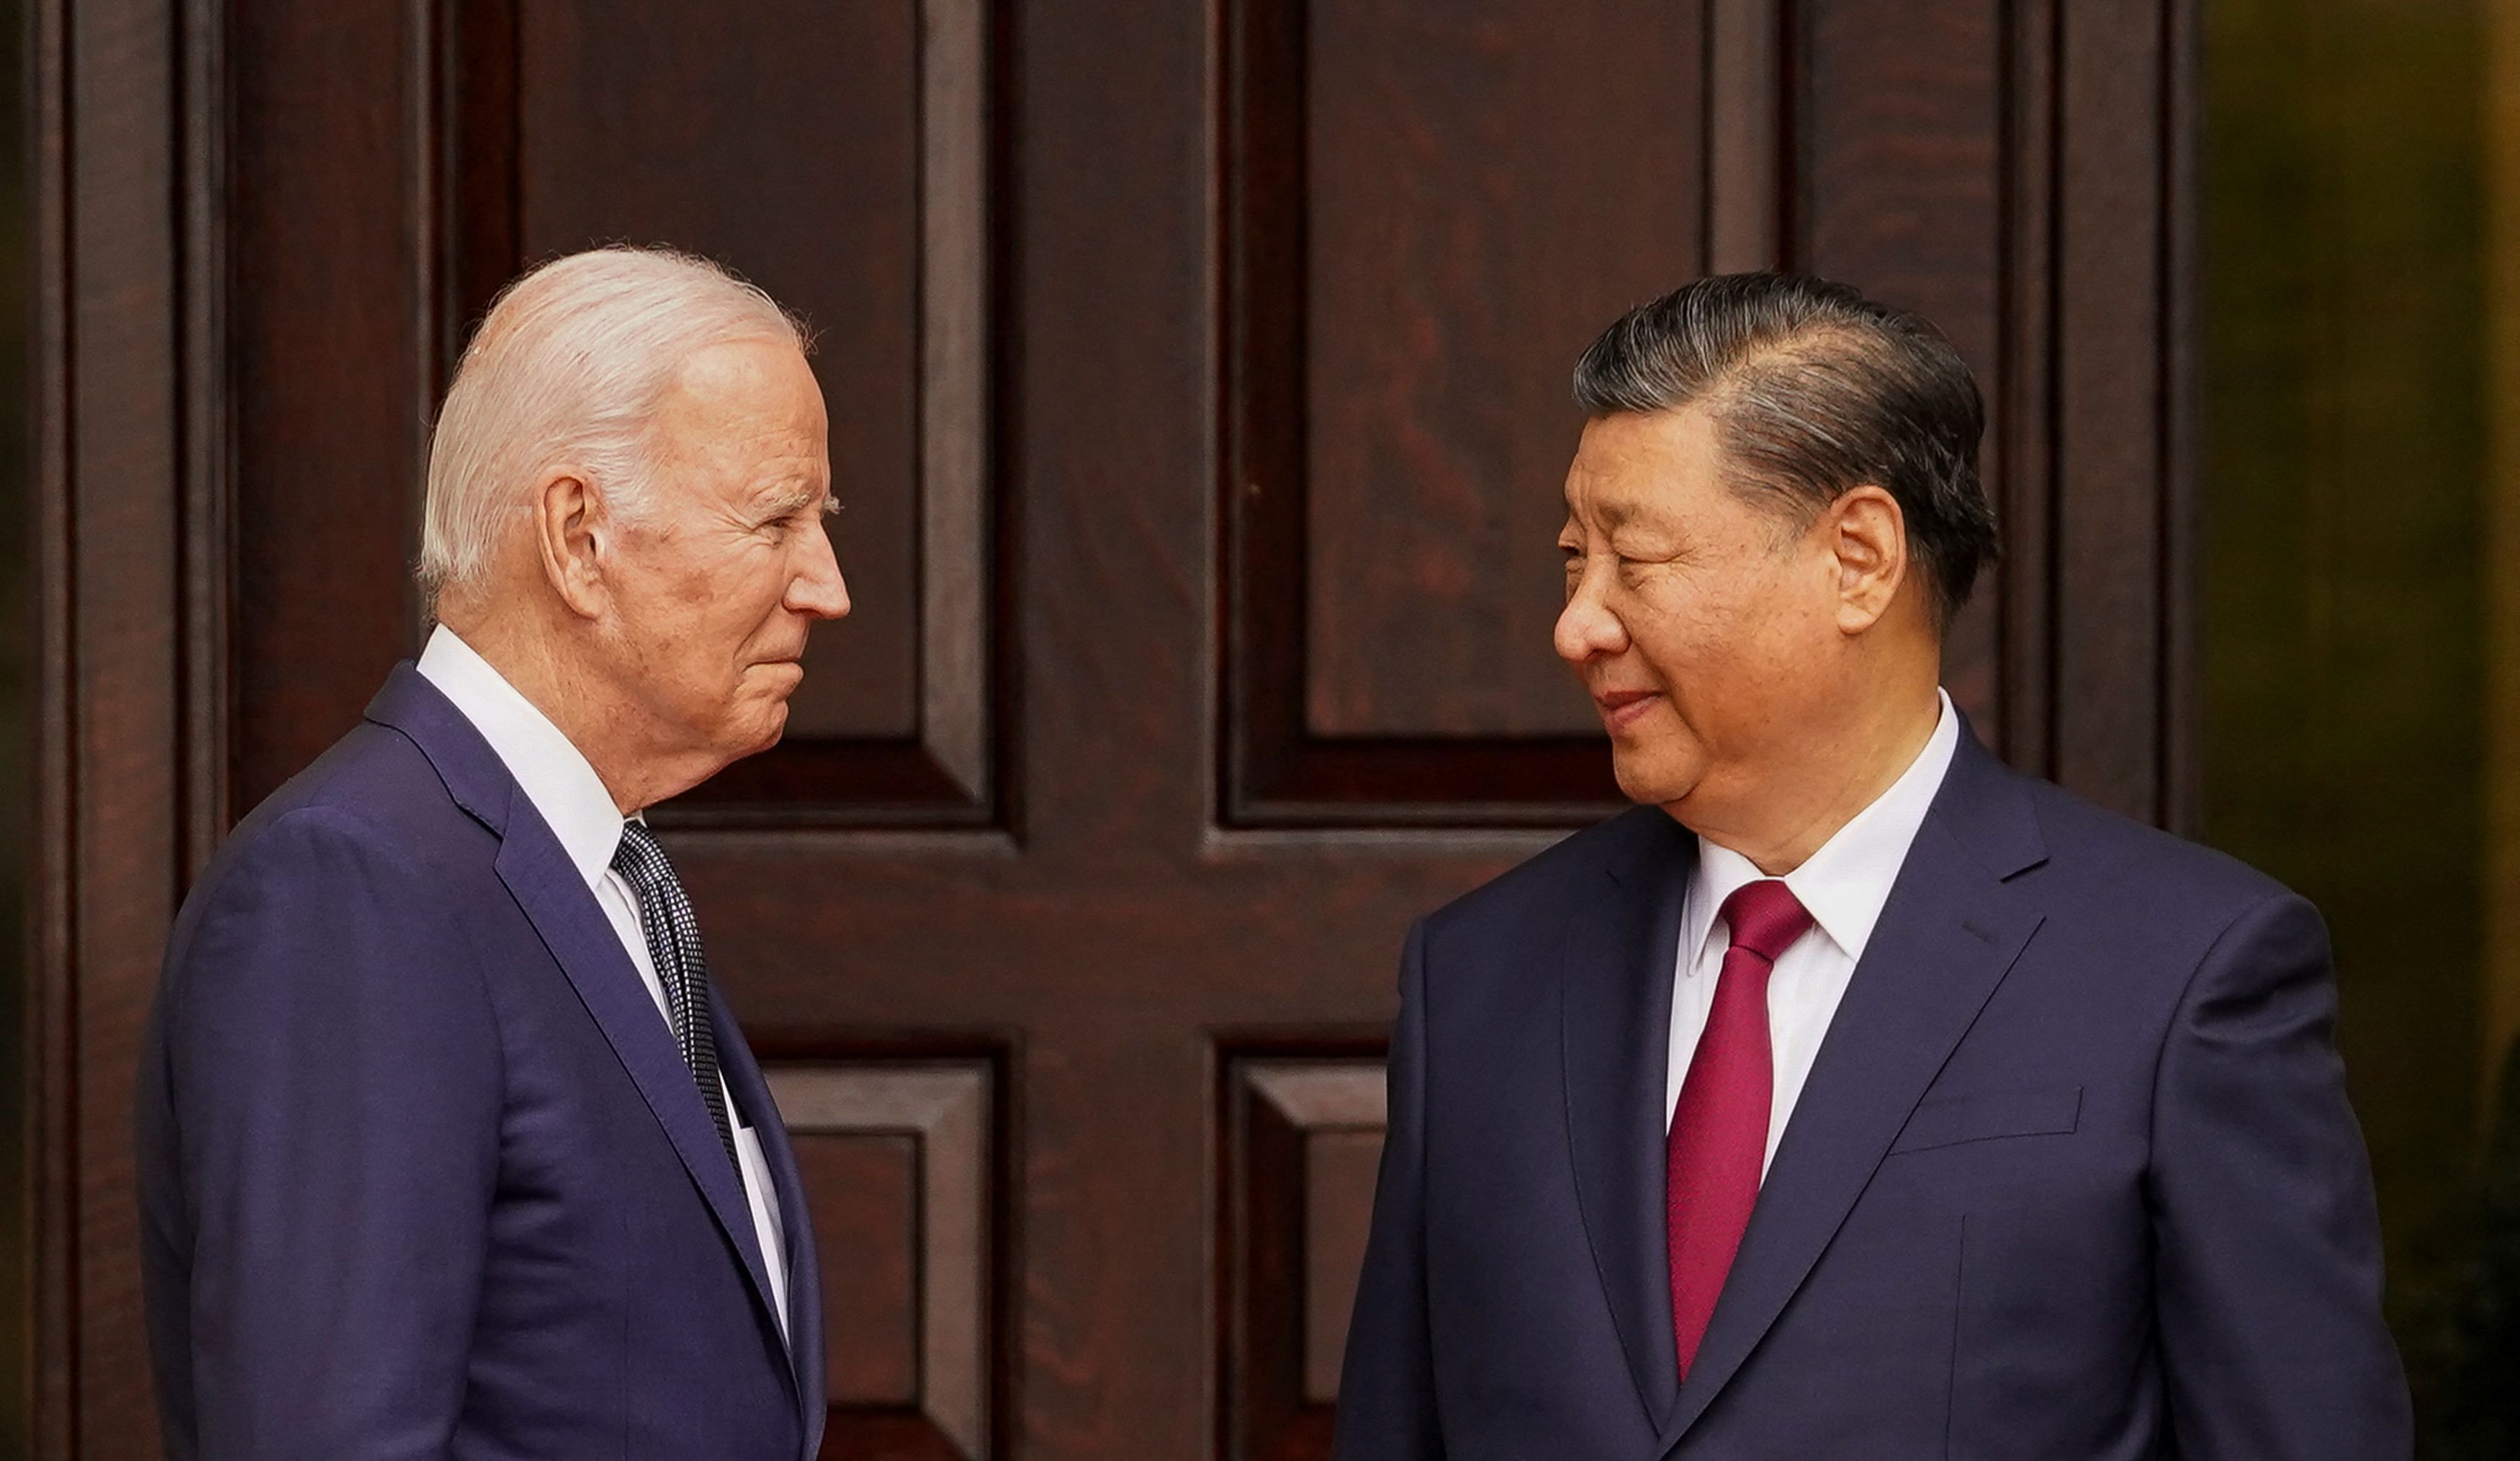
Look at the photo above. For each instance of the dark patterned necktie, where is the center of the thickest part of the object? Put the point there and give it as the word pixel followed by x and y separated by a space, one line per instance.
pixel 674 945
pixel 1719 1128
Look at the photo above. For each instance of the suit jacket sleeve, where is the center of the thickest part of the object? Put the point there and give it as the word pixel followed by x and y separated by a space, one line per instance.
pixel 333 1071
pixel 2268 1247
pixel 1386 1405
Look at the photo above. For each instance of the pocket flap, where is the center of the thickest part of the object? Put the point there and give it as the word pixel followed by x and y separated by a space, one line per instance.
pixel 1948 1120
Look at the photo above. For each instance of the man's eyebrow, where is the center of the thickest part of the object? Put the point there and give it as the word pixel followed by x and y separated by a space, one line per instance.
pixel 1611 513
pixel 795 495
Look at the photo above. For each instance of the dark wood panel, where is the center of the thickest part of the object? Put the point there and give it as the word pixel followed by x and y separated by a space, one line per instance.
pixel 115 385
pixel 1485 185
pixel 1340 1167
pixel 568 127
pixel 862 1193
pixel 2019 453
pixel 1301 1139
pixel 1745 135
pixel 55 1345
pixel 1421 231
pixel 1900 191
pixel 887 1435
pixel 685 123
pixel 900 1160
pixel 2121 491
pixel 330 381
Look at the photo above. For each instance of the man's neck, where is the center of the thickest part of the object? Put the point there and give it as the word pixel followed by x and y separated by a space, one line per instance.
pixel 1798 812
pixel 582 706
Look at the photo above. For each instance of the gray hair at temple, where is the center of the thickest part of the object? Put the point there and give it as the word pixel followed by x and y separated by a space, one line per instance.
pixel 1815 390
pixel 565 372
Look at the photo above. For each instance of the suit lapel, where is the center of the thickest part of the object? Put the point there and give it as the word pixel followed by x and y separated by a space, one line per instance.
pixel 1615 1025
pixel 1949 933
pixel 547 886
pixel 804 1270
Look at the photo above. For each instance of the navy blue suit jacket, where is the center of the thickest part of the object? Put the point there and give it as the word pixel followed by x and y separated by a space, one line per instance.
pixel 421 1172
pixel 2073 1176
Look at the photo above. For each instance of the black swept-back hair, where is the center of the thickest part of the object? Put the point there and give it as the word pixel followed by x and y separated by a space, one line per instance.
pixel 1814 390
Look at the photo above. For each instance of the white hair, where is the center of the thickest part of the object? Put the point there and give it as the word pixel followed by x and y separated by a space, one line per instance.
pixel 566 370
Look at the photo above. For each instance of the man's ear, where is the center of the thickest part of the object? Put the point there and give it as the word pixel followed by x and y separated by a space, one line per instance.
pixel 573 534
pixel 1868 534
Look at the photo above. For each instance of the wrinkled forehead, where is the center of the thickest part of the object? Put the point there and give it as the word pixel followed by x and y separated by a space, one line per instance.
pixel 750 378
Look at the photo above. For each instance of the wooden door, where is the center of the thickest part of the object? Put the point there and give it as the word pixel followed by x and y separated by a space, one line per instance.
pixel 1197 377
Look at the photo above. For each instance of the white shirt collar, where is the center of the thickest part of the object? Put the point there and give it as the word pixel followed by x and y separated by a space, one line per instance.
pixel 554 773
pixel 1848 880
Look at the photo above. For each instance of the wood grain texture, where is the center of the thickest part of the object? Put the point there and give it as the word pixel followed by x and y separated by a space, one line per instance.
pixel 2019 454
pixel 1303 1133
pixel 1479 197
pixel 2117 488
pixel 117 634
pixel 1404 298
pixel 1340 1167
pixel 863 1190
pixel 1899 192
pixel 58 1345
pixel 909 1144
pixel 955 310
pixel 1745 135
pixel 326 378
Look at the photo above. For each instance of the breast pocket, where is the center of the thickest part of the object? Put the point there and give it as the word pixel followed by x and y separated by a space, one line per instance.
pixel 1989 1115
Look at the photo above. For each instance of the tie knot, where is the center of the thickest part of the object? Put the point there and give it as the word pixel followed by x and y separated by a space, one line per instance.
pixel 639 857
pixel 1766 918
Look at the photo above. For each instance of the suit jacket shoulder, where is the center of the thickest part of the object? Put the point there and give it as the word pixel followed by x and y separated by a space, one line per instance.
pixel 2145 908
pixel 375 777
pixel 2107 848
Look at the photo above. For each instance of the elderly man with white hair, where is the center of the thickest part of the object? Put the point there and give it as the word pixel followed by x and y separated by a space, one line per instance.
pixel 447 1147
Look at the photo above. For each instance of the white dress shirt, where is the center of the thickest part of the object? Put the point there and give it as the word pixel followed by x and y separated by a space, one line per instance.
pixel 562 785
pixel 1843 885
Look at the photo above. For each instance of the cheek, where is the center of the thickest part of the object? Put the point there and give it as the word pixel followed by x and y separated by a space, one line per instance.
pixel 1687 628
pixel 1722 642
pixel 699 645
pixel 736 599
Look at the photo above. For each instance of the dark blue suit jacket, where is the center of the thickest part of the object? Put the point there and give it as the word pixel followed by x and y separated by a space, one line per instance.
pixel 421 1172
pixel 2073 1176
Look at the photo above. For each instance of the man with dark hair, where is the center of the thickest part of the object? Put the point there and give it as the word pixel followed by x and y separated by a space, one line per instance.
pixel 1854 1095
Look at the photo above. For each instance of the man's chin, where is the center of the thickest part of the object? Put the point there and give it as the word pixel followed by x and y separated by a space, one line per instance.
pixel 761 729
pixel 1649 779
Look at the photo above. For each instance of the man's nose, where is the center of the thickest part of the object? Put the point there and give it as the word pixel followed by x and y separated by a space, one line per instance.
pixel 1585 626
pixel 818 588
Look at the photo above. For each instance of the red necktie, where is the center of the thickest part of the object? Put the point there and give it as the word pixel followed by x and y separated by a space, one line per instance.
pixel 1719 1129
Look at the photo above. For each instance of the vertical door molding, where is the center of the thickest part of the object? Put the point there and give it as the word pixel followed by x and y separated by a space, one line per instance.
pixel 129 547
pixel 2096 414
